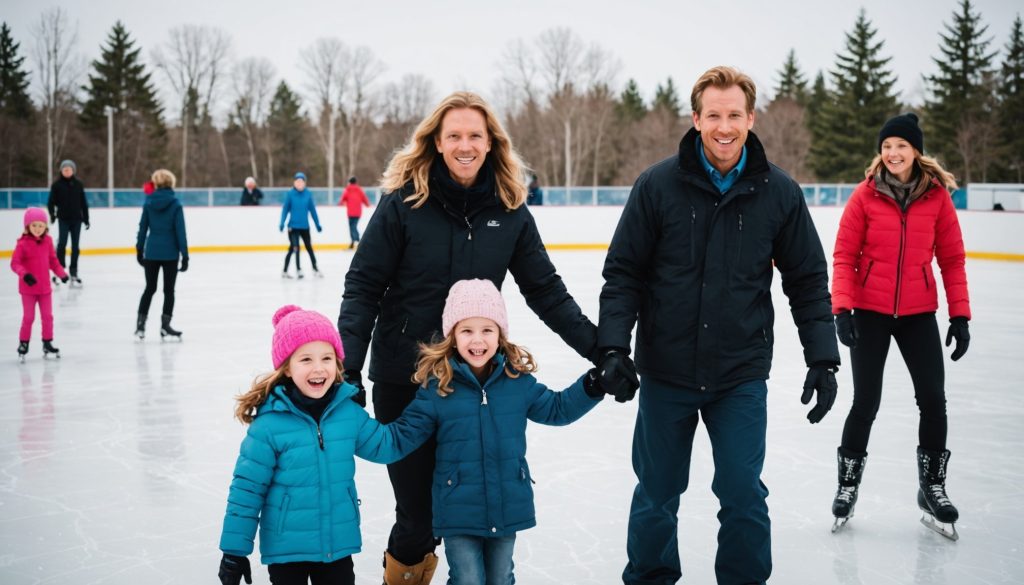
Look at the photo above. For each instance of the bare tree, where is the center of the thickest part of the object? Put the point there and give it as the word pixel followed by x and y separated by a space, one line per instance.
pixel 253 79
pixel 59 68
pixel 782 128
pixel 194 59
pixel 358 109
pixel 326 64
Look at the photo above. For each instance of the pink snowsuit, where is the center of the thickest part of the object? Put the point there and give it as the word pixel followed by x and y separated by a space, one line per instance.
pixel 36 256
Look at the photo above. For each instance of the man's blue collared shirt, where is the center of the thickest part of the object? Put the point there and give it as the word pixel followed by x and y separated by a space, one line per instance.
pixel 722 183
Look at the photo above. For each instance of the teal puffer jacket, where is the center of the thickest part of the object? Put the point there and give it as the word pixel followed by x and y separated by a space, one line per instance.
pixel 482 484
pixel 295 479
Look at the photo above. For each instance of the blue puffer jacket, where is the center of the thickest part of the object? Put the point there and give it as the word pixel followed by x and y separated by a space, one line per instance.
pixel 296 479
pixel 298 204
pixel 482 484
pixel 162 227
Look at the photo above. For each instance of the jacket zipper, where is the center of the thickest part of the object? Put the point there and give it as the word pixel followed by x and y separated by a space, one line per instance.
pixel 469 227
pixel 484 400
pixel 693 236
pixel 320 436
pixel 899 265
pixel 867 273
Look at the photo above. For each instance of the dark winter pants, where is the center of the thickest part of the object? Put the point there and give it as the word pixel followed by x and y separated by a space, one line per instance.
pixel 917 336
pixel 353 229
pixel 74 228
pixel 339 572
pixel 152 268
pixel 293 247
pixel 736 420
pixel 412 536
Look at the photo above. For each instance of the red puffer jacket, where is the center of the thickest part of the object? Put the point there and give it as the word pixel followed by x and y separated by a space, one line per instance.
pixel 883 256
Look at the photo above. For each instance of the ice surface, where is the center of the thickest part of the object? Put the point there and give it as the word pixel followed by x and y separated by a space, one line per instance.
pixel 115 461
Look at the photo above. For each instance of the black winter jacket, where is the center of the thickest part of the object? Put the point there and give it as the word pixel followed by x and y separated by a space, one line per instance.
pixel 67 200
pixel 695 267
pixel 407 260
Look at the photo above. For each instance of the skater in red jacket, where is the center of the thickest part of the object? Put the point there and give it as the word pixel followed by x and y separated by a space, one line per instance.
pixel 33 259
pixel 354 199
pixel 898 220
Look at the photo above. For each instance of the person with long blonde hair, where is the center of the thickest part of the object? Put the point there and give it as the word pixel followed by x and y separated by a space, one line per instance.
pixel 898 221
pixel 477 391
pixel 453 209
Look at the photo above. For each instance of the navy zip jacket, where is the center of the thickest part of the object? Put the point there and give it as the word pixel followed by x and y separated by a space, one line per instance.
pixel 162 227
pixel 695 267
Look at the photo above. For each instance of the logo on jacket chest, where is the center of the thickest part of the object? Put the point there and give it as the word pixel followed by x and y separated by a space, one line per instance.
pixel 493 223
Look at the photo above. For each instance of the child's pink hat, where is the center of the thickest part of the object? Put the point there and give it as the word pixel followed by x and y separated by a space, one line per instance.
pixel 34 214
pixel 474 298
pixel 294 327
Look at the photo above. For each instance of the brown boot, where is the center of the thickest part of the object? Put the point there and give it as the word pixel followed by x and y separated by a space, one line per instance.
pixel 395 573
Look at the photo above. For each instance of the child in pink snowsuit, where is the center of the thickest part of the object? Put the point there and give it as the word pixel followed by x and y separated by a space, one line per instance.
pixel 33 259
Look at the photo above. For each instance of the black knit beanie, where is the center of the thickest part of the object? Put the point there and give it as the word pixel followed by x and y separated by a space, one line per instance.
pixel 903 126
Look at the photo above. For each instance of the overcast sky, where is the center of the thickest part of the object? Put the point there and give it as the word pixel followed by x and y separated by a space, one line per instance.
pixel 459 44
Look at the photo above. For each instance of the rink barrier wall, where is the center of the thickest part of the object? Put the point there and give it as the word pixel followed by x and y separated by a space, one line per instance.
pixel 988 235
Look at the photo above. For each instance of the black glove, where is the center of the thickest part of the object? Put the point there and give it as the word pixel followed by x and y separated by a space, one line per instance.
pixel 846 330
pixel 31 280
pixel 139 258
pixel 958 330
pixel 820 377
pixel 319 229
pixel 233 568
pixel 356 379
pixel 64 279
pixel 87 225
pixel 184 264
pixel 616 375
pixel 591 385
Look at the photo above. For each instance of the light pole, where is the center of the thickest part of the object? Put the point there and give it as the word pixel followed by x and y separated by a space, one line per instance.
pixel 109 111
pixel 330 155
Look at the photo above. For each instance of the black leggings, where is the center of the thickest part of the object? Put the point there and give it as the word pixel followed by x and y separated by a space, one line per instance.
pixel 152 268
pixel 64 229
pixel 917 337
pixel 293 239
pixel 340 572
pixel 412 536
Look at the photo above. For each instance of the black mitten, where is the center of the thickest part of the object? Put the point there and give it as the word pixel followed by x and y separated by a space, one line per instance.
pixel 820 377
pixel 31 281
pixel 233 568
pixel 958 330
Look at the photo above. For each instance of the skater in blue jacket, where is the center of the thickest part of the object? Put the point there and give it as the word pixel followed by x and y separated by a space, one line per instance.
pixel 299 205
pixel 295 472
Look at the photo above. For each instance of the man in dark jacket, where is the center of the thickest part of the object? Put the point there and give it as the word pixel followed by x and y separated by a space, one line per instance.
pixel 692 261
pixel 67 203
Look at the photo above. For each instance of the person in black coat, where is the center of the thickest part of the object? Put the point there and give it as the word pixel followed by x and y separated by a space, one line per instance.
pixel 453 211
pixel 68 204
pixel 692 260
pixel 251 194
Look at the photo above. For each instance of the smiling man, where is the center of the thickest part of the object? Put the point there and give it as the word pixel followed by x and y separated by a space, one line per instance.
pixel 692 261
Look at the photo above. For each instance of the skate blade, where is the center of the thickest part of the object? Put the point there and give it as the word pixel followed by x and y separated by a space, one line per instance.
pixel 941 528
pixel 839 523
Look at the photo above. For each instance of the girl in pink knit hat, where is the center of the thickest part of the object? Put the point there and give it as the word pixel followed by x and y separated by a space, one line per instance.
pixel 33 259
pixel 295 473
pixel 477 394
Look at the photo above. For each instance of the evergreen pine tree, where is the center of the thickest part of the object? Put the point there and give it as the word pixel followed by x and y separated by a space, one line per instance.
pixel 14 100
pixel 631 104
pixel 666 98
pixel 119 80
pixel 816 99
pixel 287 127
pixel 958 116
pixel 845 130
pixel 792 84
pixel 1011 106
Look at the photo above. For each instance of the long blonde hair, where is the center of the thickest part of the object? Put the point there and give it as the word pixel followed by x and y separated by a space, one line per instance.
pixel 251 401
pixel 435 362
pixel 413 161
pixel 930 168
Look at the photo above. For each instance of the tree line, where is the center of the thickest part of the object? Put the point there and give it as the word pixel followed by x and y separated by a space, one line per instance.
pixel 571 120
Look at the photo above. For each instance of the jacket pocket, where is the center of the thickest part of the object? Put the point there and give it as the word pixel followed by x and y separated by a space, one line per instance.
pixel 285 504
pixel 924 272
pixel 867 273
pixel 449 484
pixel 524 471
pixel 355 502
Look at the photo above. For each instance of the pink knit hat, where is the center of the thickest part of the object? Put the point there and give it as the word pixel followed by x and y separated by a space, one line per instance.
pixel 294 327
pixel 34 214
pixel 474 298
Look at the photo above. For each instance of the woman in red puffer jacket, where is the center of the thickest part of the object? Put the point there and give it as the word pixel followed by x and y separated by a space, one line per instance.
pixel 898 220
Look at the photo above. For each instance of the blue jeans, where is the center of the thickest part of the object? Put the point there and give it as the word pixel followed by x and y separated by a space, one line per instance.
pixel 736 420
pixel 353 229
pixel 476 560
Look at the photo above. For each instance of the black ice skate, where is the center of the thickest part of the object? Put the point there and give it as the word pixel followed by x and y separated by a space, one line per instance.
pixel 75 282
pixel 298 274
pixel 22 350
pixel 940 514
pixel 140 326
pixel 166 330
pixel 851 470
pixel 49 349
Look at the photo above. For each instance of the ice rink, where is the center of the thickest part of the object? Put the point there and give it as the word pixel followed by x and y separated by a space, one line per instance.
pixel 115 460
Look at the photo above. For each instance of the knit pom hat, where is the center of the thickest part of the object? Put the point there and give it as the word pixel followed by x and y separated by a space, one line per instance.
pixel 474 298
pixel 903 126
pixel 34 214
pixel 69 163
pixel 294 327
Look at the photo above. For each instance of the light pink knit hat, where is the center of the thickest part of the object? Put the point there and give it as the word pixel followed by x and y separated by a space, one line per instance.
pixel 474 298
pixel 294 327
pixel 34 214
